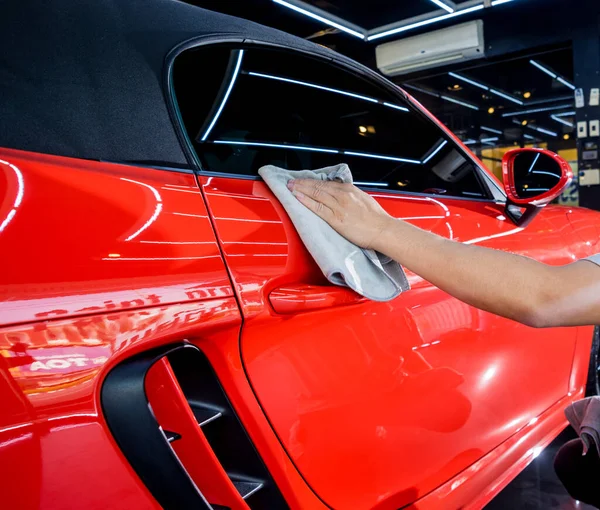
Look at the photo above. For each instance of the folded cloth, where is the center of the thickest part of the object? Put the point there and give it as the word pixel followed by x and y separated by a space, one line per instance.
pixel 579 473
pixel 584 417
pixel 367 272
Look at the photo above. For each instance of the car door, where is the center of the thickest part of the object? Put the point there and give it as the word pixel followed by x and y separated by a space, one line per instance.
pixel 375 403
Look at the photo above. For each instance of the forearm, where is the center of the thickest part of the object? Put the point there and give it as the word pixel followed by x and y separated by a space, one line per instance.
pixel 502 283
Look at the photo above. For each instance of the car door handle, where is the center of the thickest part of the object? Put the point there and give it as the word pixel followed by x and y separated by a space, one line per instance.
pixel 303 298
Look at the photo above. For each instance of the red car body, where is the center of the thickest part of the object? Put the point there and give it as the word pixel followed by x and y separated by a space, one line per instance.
pixel 422 402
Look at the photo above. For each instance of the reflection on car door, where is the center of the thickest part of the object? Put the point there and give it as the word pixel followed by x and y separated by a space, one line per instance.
pixel 376 403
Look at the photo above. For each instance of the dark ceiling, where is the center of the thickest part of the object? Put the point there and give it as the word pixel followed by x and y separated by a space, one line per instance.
pixel 515 33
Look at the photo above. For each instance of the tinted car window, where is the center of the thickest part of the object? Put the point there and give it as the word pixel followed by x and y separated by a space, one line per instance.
pixel 245 108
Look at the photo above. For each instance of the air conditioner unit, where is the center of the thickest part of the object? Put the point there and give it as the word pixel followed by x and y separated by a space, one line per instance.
pixel 458 43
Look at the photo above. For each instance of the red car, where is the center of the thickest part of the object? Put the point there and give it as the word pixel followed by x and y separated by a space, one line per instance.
pixel 165 338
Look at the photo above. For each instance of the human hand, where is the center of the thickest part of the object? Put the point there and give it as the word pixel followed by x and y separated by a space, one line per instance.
pixel 350 211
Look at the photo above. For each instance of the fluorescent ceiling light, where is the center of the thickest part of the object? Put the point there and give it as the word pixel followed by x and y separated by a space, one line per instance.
pixel 452 100
pixel 438 149
pixel 226 96
pixel 320 18
pixel 496 131
pixel 542 130
pixel 506 96
pixel 380 184
pixel 469 142
pixel 315 149
pixel 314 86
pixel 537 110
pixel 500 2
pixel 378 156
pixel 422 23
pixel 565 114
pixel 562 121
pixel 488 140
pixel 277 146
pixel 542 68
pixel 565 82
pixel 442 5
pixel 467 80
pixel 396 107
pixel 423 91
pixel 529 137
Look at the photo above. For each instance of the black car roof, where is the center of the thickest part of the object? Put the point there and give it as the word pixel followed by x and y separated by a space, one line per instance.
pixel 84 78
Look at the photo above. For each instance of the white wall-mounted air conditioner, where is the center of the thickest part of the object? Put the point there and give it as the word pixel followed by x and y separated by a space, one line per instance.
pixel 458 43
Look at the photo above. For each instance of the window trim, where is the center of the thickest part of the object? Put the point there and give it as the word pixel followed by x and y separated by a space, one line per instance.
pixel 486 182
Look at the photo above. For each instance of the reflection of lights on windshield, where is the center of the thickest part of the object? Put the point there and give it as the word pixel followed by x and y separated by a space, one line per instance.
pixel 378 156
pixel 157 209
pixel 278 146
pixel 468 80
pixel 439 148
pixel 314 86
pixel 395 107
pixel 361 183
pixel 226 96
pixel 19 196
pixel 322 19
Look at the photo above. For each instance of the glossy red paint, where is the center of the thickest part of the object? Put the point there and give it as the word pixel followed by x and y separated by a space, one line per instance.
pixel 101 237
pixel 304 298
pixel 545 198
pixel 51 423
pixel 341 381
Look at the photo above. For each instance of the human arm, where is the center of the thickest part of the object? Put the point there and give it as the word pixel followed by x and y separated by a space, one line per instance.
pixel 509 285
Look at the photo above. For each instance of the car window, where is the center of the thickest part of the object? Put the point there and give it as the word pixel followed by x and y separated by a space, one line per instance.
pixel 245 108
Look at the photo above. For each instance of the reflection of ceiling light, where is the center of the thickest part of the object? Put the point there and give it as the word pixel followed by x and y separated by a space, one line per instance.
pixel 537 110
pixel 562 121
pixel 463 103
pixel 566 136
pixel 506 96
pixel 527 95
pixel 495 131
pixel 468 80
pixel 421 23
pixel 322 19
pixel 523 123
pixel 491 110
pixel 447 8
pixel 114 255
pixel 402 184
pixel 362 129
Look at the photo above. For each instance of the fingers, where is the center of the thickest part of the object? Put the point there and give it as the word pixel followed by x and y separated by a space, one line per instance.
pixel 320 191
pixel 318 208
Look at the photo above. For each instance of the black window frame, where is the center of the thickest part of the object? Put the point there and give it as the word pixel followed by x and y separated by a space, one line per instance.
pixel 486 182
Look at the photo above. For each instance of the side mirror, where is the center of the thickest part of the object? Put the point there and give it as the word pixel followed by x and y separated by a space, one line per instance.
pixel 532 179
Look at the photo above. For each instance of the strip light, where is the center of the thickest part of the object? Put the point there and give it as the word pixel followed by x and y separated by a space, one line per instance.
pixel 542 68
pixel 422 23
pixel 277 146
pixel 362 183
pixel 226 96
pixel 314 86
pixel 316 149
pixel 469 142
pixel 496 131
pixel 320 18
pixel 565 114
pixel 452 100
pixel 537 110
pixel 447 8
pixel 488 140
pixel 529 137
pixel 468 80
pixel 506 96
pixel 377 156
pixel 542 130
pixel 396 107
pixel 553 74
pixel 500 2
pixel 438 149
pixel 562 121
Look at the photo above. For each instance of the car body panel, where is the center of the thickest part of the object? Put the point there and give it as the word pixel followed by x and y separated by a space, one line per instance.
pixel 101 237
pixel 343 373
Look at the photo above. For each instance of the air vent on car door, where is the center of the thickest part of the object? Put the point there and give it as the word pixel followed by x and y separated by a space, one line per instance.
pixel 192 417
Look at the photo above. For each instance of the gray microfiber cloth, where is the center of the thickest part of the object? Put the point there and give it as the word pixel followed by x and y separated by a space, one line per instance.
pixel 584 417
pixel 367 272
